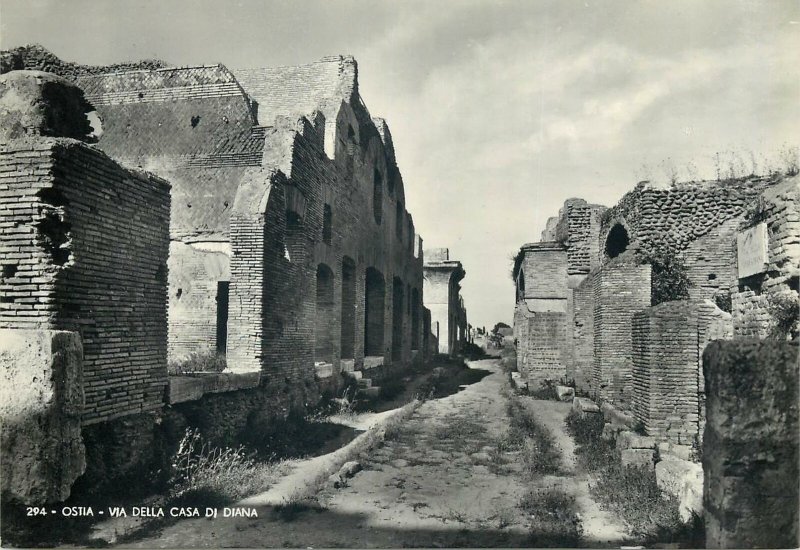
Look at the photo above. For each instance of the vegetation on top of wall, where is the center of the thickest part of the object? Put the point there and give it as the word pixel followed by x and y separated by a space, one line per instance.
pixel 670 276
pixel 784 307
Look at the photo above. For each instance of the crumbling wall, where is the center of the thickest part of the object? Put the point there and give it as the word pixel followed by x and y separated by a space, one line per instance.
pixel 578 229
pixel 84 246
pixel 751 446
pixel 668 343
pixel 756 297
pixel 620 289
pixel 656 215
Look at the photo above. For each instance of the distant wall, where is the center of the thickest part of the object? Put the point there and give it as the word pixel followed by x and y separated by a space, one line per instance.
pixel 751 446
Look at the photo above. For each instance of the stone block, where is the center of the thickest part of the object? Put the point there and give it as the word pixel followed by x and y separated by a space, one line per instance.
pixel 323 370
pixel 519 381
pixel 41 402
pixel 637 457
pixel 619 419
pixel 684 480
pixel 629 440
pixel 584 405
pixel 565 393
pixel 751 444
pixel 668 450
pixel 348 365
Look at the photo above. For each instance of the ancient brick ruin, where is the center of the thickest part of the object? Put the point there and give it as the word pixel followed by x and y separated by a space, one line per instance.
pixel 258 216
pixel 591 311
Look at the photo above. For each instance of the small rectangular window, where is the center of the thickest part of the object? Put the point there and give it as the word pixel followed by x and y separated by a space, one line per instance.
pixel 327 224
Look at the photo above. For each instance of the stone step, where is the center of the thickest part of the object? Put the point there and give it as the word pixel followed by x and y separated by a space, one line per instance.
pixel 356 374
pixel 365 383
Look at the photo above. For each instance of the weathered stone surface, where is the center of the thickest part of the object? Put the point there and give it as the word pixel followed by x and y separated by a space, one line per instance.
pixel 565 393
pixel 637 457
pixel 41 401
pixel 585 405
pixel 668 450
pixel 751 444
pixel 630 440
pixel 683 480
pixel 349 469
pixel 617 418
pixel 34 103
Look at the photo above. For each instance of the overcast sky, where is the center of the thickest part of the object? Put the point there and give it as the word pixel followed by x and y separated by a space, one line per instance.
pixel 499 110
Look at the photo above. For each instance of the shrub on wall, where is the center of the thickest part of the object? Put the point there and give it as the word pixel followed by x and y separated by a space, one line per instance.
pixel 784 307
pixel 670 277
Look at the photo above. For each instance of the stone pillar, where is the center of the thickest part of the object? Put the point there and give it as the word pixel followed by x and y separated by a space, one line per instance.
pixel 41 402
pixel 440 295
pixel 751 444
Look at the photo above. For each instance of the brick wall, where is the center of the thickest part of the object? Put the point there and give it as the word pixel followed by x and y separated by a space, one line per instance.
pixel 84 248
pixel 620 289
pixel 668 343
pixel 578 229
pixel 580 367
pixel 711 261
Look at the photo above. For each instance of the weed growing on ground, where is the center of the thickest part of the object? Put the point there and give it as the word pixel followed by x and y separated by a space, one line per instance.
pixel 292 508
pixel 541 455
pixel 630 492
pixel 553 517
pixel 204 473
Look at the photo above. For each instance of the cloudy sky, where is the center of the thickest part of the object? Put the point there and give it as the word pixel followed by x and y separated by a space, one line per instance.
pixel 500 110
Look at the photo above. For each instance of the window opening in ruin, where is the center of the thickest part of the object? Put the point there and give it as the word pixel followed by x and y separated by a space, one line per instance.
pixel 374 297
pixel 179 293
pixel 351 140
pixel 390 182
pixel 398 304
pixel 712 276
pixel 223 291
pixel 617 241
pixel 414 319
pixel 9 270
pixel 324 320
pixel 348 323
pixel 96 123
pixel 327 224
pixel 54 235
pixel 398 226
pixel 195 121
pixel 377 197
pixel 294 236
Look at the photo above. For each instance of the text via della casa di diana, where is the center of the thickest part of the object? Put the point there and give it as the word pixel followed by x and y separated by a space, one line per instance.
pixel 144 511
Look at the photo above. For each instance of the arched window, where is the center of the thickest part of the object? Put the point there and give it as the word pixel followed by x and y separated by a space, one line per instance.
pixel 324 319
pixel 617 241
pixel 374 296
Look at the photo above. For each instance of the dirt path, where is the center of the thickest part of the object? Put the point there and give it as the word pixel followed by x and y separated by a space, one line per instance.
pixel 599 527
pixel 440 480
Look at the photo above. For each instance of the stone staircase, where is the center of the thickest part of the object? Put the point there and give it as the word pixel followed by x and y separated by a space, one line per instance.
pixel 365 388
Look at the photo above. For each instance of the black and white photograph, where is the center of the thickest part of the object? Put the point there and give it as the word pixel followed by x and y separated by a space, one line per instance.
pixel 399 274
